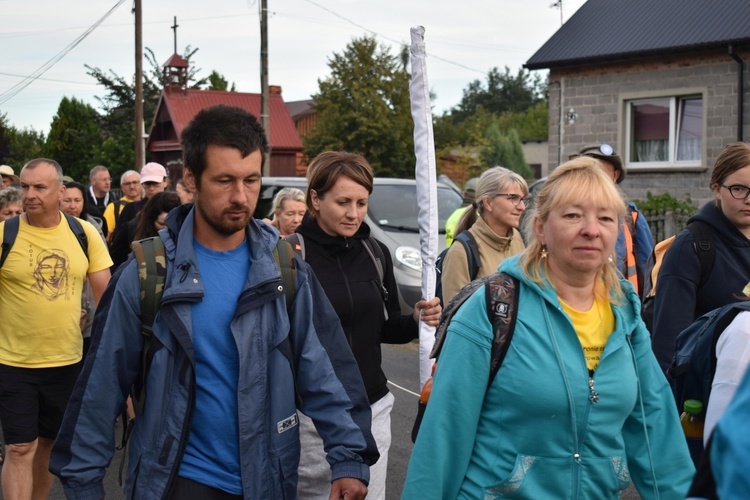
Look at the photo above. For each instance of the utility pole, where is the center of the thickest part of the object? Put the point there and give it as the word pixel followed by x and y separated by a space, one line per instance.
pixel 265 101
pixel 140 153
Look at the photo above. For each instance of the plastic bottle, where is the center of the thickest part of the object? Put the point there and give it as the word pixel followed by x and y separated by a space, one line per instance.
pixel 692 423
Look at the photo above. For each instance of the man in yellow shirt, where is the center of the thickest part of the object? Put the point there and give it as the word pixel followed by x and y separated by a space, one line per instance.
pixel 130 184
pixel 40 335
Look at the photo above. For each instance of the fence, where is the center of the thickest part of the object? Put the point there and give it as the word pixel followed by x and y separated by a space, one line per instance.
pixel 666 223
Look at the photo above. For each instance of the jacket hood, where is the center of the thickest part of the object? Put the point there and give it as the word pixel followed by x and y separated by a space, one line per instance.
pixel 312 230
pixel 627 314
pixel 714 217
pixel 178 245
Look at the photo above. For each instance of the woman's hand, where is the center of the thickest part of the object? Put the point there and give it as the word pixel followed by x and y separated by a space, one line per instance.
pixel 430 311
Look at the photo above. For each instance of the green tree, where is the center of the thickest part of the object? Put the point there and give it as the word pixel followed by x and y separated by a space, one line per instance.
pixel 532 124
pixel 364 107
pixel 503 92
pixel 216 81
pixel 505 150
pixel 73 137
pixel 19 146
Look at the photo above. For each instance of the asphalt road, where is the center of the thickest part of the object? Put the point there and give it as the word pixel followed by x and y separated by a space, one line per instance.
pixel 401 368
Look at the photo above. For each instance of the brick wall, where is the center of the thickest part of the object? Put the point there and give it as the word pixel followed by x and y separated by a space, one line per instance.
pixel 596 94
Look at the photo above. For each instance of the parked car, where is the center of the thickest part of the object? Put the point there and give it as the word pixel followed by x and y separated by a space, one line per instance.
pixel 392 217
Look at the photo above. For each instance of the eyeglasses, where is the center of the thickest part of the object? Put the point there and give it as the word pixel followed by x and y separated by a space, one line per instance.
pixel 738 191
pixel 516 199
pixel 131 183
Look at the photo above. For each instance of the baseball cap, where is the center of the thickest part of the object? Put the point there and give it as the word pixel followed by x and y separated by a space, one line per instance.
pixel 7 171
pixel 603 152
pixel 153 172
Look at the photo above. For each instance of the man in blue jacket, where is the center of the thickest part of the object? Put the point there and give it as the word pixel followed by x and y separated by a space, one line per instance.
pixel 227 361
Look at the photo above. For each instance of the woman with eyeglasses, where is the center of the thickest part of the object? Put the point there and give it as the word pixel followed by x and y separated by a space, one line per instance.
pixel 501 198
pixel 682 294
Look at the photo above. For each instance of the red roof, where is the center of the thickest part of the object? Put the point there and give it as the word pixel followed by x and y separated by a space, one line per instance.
pixel 182 106
pixel 176 61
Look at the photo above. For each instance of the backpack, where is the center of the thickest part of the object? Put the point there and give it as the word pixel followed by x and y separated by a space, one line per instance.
pixel 10 231
pixel 373 250
pixel 501 299
pixel 694 364
pixel 704 248
pixel 472 256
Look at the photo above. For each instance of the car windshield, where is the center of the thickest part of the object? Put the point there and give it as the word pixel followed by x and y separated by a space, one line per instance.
pixel 395 206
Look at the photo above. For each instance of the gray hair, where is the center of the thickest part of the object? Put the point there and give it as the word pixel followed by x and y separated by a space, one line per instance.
pixel 285 194
pixel 31 164
pixel 96 170
pixel 125 174
pixel 8 196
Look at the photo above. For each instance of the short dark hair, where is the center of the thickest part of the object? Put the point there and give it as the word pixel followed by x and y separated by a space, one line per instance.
pixel 32 164
pixel 220 126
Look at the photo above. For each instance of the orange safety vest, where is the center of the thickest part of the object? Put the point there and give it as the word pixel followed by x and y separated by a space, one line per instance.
pixel 631 268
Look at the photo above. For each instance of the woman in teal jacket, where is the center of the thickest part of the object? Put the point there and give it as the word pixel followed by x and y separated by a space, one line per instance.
pixel 579 405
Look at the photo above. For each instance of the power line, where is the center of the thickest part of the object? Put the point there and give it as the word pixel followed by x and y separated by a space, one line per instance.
pixel 390 39
pixel 15 89
pixel 50 79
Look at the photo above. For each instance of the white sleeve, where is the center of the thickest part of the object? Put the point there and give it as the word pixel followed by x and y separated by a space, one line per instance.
pixel 732 358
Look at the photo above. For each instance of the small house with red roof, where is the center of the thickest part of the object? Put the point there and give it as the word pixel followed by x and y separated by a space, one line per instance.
pixel 178 105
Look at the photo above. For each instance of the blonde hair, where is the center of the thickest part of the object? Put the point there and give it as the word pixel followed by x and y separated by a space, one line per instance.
pixel 570 183
pixel 491 182
pixel 283 195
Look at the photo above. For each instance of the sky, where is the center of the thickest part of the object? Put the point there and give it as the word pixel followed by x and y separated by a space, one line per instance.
pixel 464 40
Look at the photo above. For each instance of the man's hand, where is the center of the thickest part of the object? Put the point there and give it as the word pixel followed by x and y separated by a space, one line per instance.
pixel 348 488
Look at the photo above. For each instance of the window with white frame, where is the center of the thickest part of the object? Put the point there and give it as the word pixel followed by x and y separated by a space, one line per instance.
pixel 664 131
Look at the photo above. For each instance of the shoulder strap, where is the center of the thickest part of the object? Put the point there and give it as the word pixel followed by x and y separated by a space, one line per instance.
pixel 703 244
pixel 472 252
pixel 297 242
pixel 284 255
pixel 10 231
pixel 117 203
pixel 79 232
pixel 152 274
pixel 376 254
pixel 501 296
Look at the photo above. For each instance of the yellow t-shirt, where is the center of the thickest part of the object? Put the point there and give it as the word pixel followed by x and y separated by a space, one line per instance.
pixel 593 328
pixel 109 214
pixel 40 294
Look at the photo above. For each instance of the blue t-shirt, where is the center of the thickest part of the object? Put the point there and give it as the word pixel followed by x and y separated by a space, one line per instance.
pixel 212 453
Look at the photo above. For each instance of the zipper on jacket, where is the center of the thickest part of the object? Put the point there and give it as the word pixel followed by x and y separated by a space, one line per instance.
pixel 352 315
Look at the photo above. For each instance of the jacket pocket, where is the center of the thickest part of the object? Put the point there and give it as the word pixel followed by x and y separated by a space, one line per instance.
pixel 548 477
pixel 285 463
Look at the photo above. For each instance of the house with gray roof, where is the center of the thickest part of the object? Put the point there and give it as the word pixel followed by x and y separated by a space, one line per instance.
pixel 664 82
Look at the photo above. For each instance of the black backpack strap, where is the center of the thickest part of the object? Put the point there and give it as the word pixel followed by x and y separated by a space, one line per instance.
pixel 501 296
pixel 117 203
pixel 703 237
pixel 79 232
pixel 472 252
pixel 378 259
pixel 10 231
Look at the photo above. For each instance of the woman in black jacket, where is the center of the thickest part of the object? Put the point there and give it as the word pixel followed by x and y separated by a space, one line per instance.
pixel 334 238
pixel 683 295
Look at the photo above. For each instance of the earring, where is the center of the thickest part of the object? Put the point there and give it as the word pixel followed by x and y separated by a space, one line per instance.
pixel 544 252
pixel 611 258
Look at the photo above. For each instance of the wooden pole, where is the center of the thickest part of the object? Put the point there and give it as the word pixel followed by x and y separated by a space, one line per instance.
pixel 140 153
pixel 265 98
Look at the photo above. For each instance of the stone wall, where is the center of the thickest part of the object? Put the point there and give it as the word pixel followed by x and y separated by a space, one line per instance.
pixel 595 97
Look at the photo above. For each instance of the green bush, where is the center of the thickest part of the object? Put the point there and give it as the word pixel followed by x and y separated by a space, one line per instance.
pixel 665 202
